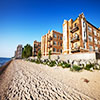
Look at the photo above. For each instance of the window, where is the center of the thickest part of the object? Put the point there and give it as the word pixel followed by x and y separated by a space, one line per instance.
pixel 89 29
pixel 61 50
pixel 90 38
pixel 54 42
pixel 58 50
pixel 96 48
pixel 54 35
pixel 84 45
pixel 58 36
pixel 61 38
pixel 83 24
pixel 95 40
pixel 54 49
pixel 58 43
pixel 90 48
pixel 75 25
pixel 84 33
pixel 94 32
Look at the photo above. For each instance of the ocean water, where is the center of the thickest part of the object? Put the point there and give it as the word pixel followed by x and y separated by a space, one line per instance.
pixel 4 60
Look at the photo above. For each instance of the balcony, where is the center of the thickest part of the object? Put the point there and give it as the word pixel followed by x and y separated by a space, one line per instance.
pixel 49 46
pixel 74 29
pixel 49 39
pixel 75 49
pixel 75 38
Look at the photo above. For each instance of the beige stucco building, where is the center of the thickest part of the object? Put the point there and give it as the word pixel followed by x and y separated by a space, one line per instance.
pixel 52 41
pixel 80 36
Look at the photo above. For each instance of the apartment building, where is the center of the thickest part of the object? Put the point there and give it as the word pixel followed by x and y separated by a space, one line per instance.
pixel 52 41
pixel 18 52
pixel 80 36
pixel 36 47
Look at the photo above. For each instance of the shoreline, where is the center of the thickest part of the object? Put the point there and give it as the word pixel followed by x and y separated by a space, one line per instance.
pixel 3 67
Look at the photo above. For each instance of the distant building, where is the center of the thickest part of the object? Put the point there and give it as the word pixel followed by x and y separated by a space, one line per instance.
pixel 18 52
pixel 36 47
pixel 52 41
pixel 80 36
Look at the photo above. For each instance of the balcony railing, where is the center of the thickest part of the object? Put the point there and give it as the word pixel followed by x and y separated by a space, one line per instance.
pixel 49 46
pixel 74 39
pixel 74 29
pixel 49 39
pixel 75 49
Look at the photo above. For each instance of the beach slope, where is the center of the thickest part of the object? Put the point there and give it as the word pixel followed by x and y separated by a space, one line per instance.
pixel 23 80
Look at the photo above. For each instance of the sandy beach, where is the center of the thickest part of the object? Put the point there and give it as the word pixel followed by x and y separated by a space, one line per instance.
pixel 23 80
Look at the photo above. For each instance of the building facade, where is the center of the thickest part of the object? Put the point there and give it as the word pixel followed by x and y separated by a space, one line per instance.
pixel 18 52
pixel 52 41
pixel 36 47
pixel 80 36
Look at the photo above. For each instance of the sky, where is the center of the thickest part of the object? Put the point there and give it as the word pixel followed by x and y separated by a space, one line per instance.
pixel 23 21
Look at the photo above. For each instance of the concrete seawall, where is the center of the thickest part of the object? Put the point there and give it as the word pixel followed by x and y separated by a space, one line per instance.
pixel 76 56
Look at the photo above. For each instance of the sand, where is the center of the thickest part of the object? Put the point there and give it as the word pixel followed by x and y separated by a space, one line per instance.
pixel 24 80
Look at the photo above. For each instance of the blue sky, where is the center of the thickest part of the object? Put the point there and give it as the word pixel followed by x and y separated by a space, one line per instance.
pixel 23 21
